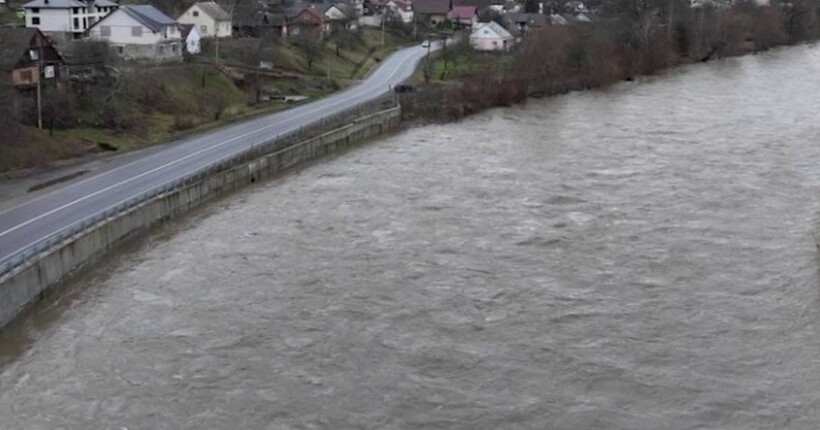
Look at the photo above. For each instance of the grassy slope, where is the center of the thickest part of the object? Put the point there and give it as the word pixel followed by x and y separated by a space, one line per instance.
pixel 182 85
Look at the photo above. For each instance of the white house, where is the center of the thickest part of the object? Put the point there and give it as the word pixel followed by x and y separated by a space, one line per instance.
pixel 342 15
pixel 490 36
pixel 140 32
pixel 210 19
pixel 192 38
pixel 66 16
pixel 401 9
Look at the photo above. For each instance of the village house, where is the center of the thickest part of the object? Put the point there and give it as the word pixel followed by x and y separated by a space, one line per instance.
pixel 464 16
pixel 400 9
pixel 481 5
pixel 433 12
pixel 210 19
pixel 72 17
pixel 521 24
pixel 191 37
pixel 491 36
pixel 342 15
pixel 140 32
pixel 26 56
pixel 372 13
pixel 307 19
pixel 258 19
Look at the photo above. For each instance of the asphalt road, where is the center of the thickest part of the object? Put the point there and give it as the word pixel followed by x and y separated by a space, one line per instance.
pixel 31 222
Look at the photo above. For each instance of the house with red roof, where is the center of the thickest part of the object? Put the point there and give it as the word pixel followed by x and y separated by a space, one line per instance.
pixel 465 16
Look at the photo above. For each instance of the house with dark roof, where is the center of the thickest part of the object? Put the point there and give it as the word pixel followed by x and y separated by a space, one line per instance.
pixel 342 15
pixel 431 11
pixel 140 32
pixel 258 18
pixel 72 17
pixel 26 56
pixel 521 23
pixel 210 19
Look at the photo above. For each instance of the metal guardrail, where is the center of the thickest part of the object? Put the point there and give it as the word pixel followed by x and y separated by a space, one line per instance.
pixel 281 141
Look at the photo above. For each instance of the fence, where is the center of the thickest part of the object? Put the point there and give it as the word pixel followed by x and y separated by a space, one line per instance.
pixel 279 142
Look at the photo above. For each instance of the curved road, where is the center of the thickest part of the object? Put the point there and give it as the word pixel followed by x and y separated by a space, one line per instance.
pixel 35 220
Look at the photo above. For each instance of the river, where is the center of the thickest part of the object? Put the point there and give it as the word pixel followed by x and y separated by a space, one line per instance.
pixel 640 257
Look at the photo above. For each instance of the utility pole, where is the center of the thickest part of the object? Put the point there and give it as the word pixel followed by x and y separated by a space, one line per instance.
pixel 700 31
pixel 427 70
pixel 382 29
pixel 216 40
pixel 39 84
pixel 671 21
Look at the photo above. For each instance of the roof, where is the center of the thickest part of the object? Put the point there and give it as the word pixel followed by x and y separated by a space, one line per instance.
pixel 214 11
pixel 463 12
pixel 258 13
pixel 317 6
pixel 528 19
pixel 148 16
pixel 404 5
pixel 431 7
pixel 556 19
pixel 54 4
pixel 14 41
pixel 185 30
pixel 480 4
pixel 495 28
pixel 347 9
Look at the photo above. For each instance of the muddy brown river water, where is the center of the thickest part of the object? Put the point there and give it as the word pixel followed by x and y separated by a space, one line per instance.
pixel 641 257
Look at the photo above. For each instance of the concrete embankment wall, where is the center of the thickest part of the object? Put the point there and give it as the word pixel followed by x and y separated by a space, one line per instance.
pixel 28 282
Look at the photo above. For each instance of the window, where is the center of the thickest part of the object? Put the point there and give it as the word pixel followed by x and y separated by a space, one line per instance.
pixel 136 31
pixel 33 54
pixel 105 30
pixel 85 22
pixel 174 48
pixel 76 23
pixel 119 50
pixel 204 29
pixel 35 10
pixel 161 49
pixel 75 10
pixel 35 20
pixel 195 13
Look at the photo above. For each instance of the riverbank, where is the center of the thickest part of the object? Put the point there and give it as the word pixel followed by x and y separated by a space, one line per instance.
pixel 635 258
pixel 36 270
pixel 558 59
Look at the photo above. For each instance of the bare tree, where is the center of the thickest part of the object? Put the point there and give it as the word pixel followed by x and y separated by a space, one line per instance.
pixel 8 112
pixel 310 46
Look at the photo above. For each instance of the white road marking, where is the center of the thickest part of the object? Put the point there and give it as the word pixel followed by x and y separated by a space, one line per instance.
pixel 396 70
pixel 108 172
